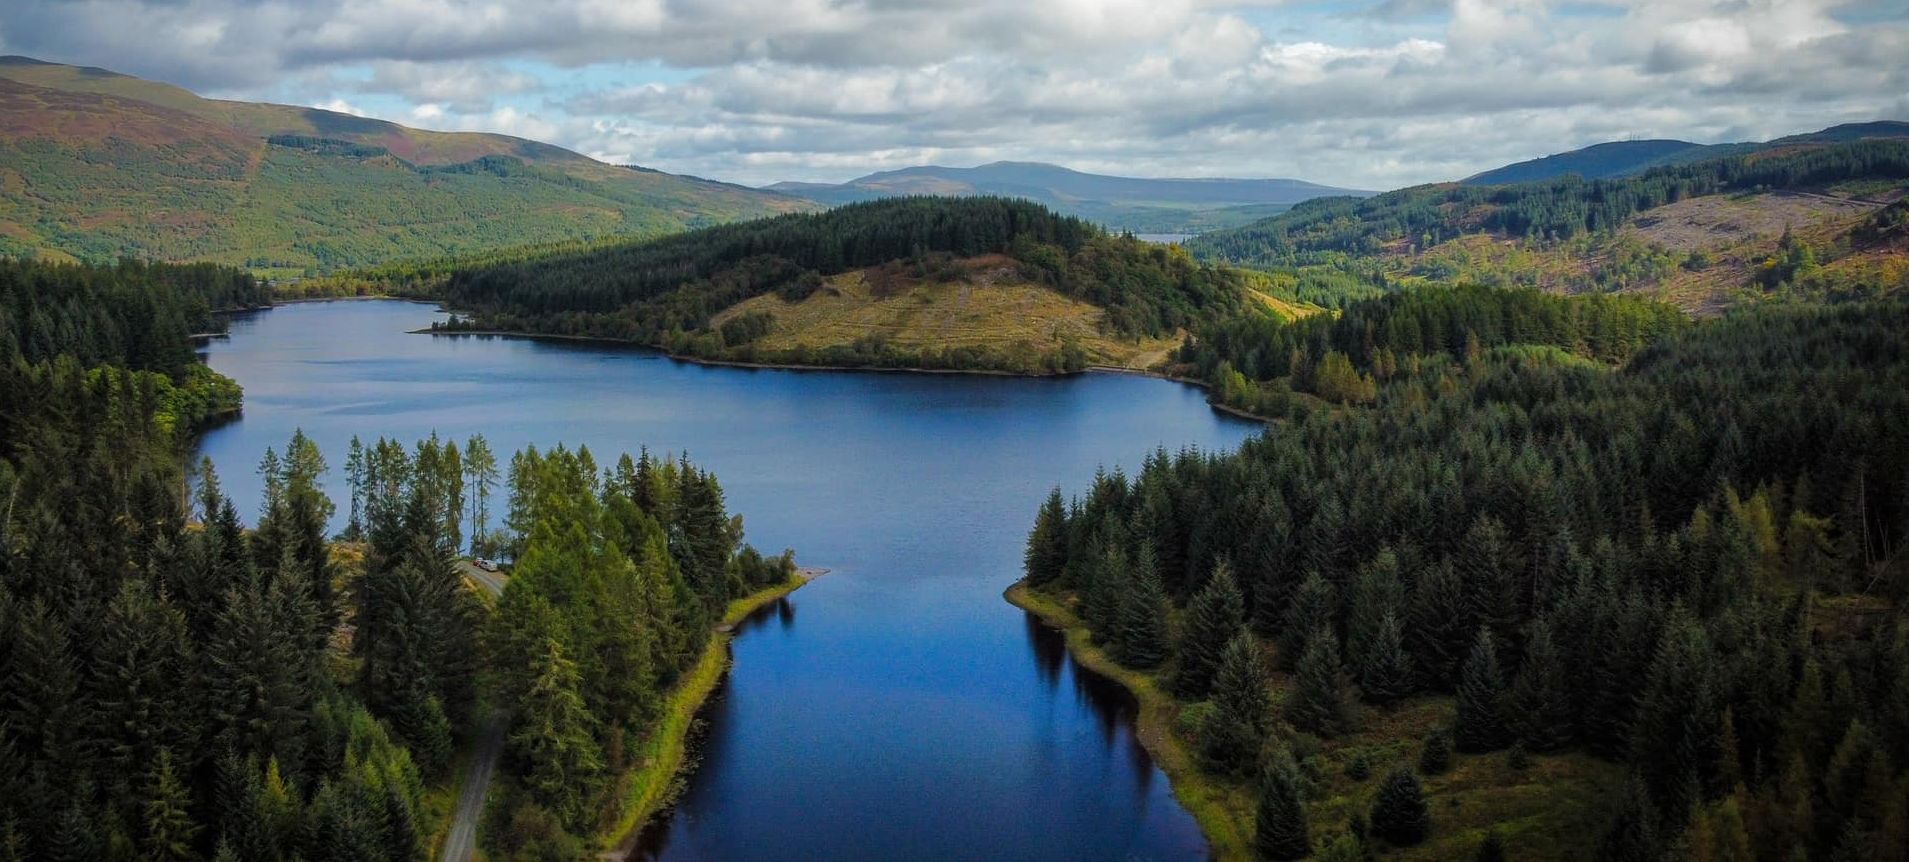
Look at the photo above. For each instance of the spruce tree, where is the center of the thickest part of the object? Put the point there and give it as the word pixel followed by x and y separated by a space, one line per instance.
pixel 1047 542
pixel 1142 639
pixel 1675 740
pixel 1632 833
pixel 1540 703
pixel 1315 605
pixel 1387 673
pixel 1480 725
pixel 1440 629
pixel 1318 703
pixel 169 829
pixel 1231 738
pixel 1398 812
pixel 1216 613
pixel 553 741
pixel 1376 593
pixel 1279 822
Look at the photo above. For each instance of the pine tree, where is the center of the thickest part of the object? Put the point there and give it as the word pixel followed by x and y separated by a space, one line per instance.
pixel 1318 703
pixel 1387 673
pixel 1047 543
pixel 1441 626
pixel 1398 813
pixel 1435 752
pixel 1540 703
pixel 480 477
pixel 1376 593
pixel 1675 740
pixel 1480 725
pixel 1279 822
pixel 1632 834
pixel 553 738
pixel 1142 637
pixel 1231 738
pixel 169 829
pixel 1315 605
pixel 1216 613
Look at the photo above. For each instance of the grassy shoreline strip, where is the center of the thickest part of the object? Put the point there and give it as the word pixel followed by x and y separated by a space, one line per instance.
pixel 1222 812
pixel 876 369
pixel 647 787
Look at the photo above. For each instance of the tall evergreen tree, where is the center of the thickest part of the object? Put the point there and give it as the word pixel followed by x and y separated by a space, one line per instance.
pixel 1398 812
pixel 1230 740
pixel 1142 639
pixel 1318 702
pixel 1387 672
pixel 1047 543
pixel 1540 702
pixel 553 741
pixel 1314 606
pixel 1480 725
pixel 1216 613
pixel 1675 741
pixel 169 830
pixel 1280 829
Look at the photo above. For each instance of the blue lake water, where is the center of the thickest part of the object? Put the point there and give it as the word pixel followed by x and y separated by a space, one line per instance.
pixel 895 708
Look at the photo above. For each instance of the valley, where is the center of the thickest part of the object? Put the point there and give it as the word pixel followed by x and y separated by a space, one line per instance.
pixel 1547 511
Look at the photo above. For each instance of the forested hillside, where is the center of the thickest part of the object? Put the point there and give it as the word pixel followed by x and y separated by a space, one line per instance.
pixel 1704 233
pixel 1643 576
pixel 96 166
pixel 180 686
pixel 670 292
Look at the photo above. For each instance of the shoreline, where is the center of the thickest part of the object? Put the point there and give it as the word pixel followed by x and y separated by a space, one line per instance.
pixel 651 787
pixel 1217 808
pixel 733 363
pixel 872 369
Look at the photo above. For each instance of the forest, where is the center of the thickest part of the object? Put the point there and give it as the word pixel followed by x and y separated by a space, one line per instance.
pixel 1550 211
pixel 1259 364
pixel 184 687
pixel 665 292
pixel 1572 529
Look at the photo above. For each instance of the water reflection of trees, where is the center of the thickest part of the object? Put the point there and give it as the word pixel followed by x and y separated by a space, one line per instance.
pixel 1113 706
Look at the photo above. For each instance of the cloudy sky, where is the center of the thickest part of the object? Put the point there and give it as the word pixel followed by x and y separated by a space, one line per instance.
pixel 1360 93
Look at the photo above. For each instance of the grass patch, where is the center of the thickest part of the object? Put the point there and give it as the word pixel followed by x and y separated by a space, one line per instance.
pixel 988 305
pixel 650 785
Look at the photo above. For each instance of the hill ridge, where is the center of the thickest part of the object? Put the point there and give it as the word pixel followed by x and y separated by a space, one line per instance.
pixel 289 190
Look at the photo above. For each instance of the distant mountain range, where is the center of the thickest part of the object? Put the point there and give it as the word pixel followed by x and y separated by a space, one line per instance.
pixel 1142 205
pixel 1624 158
pixel 97 165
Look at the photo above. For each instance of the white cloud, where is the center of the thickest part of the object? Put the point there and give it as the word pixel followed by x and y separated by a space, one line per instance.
pixel 1371 94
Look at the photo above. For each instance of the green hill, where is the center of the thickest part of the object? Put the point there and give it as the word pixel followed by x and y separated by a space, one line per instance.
pixel 96 165
pixel 1615 159
pixel 1813 214
pixel 963 283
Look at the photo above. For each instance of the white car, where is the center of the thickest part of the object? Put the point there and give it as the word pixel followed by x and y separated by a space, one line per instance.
pixel 484 564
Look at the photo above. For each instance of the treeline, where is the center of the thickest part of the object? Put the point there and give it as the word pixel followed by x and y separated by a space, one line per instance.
pixel 1553 210
pixel 1688 565
pixel 619 576
pixel 180 687
pixel 134 315
pixel 664 292
pixel 1257 363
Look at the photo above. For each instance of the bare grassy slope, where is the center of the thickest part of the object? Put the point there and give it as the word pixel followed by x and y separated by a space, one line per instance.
pixel 98 165
pixel 989 306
